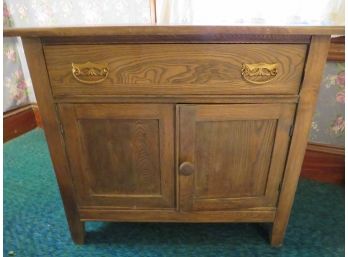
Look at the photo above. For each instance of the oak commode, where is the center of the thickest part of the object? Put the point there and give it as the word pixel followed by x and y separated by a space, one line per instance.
pixel 177 123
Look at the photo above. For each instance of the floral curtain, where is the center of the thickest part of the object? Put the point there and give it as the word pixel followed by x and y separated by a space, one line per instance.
pixel 328 121
pixel 266 12
pixel 17 89
pixel 45 13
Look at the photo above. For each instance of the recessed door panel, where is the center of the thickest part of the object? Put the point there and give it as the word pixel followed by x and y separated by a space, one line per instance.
pixel 237 154
pixel 121 155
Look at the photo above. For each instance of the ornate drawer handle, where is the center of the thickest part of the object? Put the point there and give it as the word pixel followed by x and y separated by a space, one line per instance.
pixel 259 73
pixel 90 73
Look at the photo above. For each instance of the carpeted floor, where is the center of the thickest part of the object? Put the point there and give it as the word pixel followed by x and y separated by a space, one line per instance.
pixel 35 225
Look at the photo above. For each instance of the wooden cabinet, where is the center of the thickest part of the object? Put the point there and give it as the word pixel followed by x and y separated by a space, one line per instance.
pixel 177 124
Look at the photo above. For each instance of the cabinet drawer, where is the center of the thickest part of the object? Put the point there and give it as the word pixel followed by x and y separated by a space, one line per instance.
pixel 153 69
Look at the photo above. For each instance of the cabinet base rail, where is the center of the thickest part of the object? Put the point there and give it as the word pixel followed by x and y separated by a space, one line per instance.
pixel 174 216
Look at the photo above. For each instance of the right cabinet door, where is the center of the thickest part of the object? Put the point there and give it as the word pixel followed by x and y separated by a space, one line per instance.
pixel 232 157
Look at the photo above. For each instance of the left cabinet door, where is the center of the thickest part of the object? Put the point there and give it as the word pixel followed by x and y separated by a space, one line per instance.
pixel 120 155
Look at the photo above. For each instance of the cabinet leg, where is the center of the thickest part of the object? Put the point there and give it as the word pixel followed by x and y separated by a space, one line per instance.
pixel 77 231
pixel 277 234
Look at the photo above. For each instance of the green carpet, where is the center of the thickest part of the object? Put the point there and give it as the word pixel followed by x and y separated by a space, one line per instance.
pixel 35 225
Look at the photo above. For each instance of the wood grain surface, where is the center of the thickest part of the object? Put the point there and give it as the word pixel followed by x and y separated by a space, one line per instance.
pixel 227 153
pixel 130 163
pixel 238 153
pixel 121 155
pixel 174 31
pixel 174 216
pixel 310 88
pixel 175 68
pixel 50 119
pixel 186 38
pixel 176 99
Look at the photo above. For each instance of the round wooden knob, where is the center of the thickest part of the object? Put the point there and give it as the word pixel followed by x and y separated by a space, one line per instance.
pixel 186 168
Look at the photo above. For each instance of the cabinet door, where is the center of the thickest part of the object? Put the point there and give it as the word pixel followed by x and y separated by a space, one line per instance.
pixel 232 156
pixel 120 155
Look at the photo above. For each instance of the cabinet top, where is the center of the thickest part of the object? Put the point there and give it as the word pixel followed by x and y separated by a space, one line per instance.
pixel 183 30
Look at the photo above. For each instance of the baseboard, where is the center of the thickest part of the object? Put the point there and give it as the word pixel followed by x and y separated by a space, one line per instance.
pixel 37 115
pixel 324 163
pixel 336 50
pixel 19 121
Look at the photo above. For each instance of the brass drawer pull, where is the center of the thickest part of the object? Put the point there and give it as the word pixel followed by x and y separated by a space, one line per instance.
pixel 259 73
pixel 90 73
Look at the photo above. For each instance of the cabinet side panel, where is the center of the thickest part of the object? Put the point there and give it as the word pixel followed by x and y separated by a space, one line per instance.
pixel 310 87
pixel 37 67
